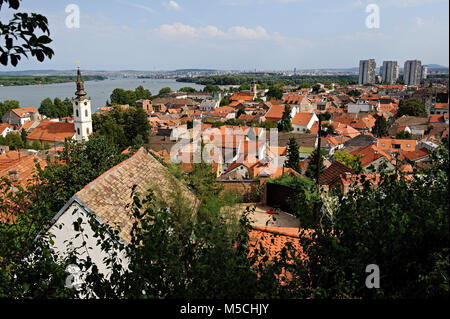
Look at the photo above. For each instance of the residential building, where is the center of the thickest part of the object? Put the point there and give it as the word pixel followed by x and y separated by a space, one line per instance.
pixel 412 72
pixel 390 72
pixel 20 116
pixel 367 71
pixel 303 122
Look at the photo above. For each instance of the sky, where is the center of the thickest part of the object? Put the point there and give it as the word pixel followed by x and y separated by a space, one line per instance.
pixel 239 34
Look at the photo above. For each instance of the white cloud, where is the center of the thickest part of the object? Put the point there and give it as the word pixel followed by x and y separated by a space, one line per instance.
pixel 137 5
pixel 172 5
pixel 235 32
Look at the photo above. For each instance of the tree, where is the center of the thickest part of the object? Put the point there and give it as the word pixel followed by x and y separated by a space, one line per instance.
pixel 274 93
pixel 8 105
pixel 354 92
pixel 20 36
pixel 187 89
pixel 311 170
pixel 352 161
pixel 380 128
pixel 122 126
pixel 35 145
pixel 293 155
pixel 412 107
pixel 211 88
pixel 268 124
pixel 13 140
pixel 403 135
pixel 240 112
pixel 123 97
pixel 142 94
pixel 285 124
pixel 369 225
pixel 164 91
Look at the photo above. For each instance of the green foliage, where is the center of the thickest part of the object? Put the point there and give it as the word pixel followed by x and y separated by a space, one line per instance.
pixel 164 91
pixel 142 94
pixel 311 170
pixel 57 108
pixel 35 145
pixel 211 88
pixel 412 107
pixel 274 93
pixel 13 140
pixel 352 161
pixel 293 155
pixel 187 89
pixel 285 124
pixel 268 124
pixel 20 35
pixel 354 92
pixel 123 97
pixel 16 80
pixel 306 200
pixel 371 226
pixel 403 135
pixel 240 112
pixel 8 105
pixel 122 126
pixel 381 126
pixel 225 101
pixel 272 79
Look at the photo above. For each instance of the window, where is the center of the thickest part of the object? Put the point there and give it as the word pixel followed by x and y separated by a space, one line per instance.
pixel 78 131
pixel 76 226
pixel 77 113
pixel 407 145
pixel 87 130
pixel 86 113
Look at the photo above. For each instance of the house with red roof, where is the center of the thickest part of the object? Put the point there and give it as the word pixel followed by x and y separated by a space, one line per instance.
pixel 303 122
pixel 5 128
pixel 372 159
pixel 20 116
pixel 51 132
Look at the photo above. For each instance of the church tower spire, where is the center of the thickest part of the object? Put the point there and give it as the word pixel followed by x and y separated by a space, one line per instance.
pixel 81 111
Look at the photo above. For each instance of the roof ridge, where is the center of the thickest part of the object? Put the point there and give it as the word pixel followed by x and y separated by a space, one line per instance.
pixel 110 171
pixel 293 232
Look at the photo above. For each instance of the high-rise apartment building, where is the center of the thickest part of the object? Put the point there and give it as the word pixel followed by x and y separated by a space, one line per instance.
pixel 390 72
pixel 424 72
pixel 367 71
pixel 412 72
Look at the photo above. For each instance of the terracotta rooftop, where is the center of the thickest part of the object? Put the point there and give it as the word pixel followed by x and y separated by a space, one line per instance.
pixel 108 195
pixel 52 131
pixel 302 119
pixel 332 173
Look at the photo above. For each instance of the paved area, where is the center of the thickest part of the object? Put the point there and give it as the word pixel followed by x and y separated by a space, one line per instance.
pixel 261 218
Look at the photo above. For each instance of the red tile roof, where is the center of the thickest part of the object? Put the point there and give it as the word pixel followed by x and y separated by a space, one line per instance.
pixel 331 175
pixel 302 119
pixel 52 131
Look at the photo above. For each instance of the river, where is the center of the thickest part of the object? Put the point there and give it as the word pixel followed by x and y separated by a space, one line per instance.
pixel 99 91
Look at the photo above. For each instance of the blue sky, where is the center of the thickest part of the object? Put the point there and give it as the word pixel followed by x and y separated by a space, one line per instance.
pixel 241 34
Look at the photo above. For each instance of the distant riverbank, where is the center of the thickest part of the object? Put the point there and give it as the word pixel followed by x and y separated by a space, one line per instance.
pixel 98 91
pixel 10 80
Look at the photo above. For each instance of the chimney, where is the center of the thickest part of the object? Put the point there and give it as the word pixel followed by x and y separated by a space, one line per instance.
pixel 14 175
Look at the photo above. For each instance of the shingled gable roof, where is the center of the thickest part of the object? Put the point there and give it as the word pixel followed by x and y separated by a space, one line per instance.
pixel 108 195
pixel 333 172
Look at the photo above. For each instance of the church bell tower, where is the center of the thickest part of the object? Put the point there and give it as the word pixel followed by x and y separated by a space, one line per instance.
pixel 81 111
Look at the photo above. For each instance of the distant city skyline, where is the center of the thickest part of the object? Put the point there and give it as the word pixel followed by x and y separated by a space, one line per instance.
pixel 240 35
